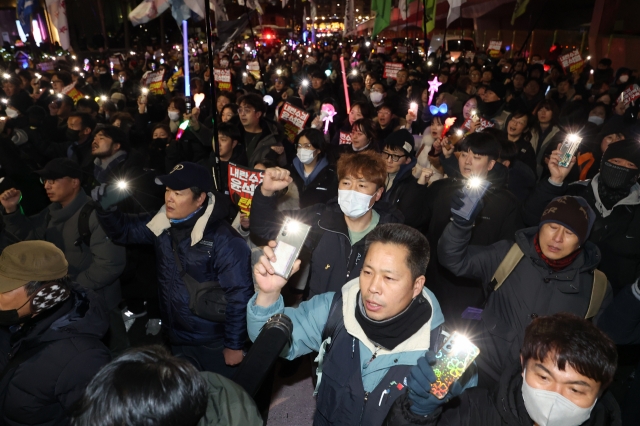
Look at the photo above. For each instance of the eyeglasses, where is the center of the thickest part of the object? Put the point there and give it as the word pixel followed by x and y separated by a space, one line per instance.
pixel 395 158
pixel 305 146
pixel 243 110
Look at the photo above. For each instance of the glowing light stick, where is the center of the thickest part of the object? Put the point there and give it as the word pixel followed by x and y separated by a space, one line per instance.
pixel 447 125
pixel 344 84
pixel 433 88
pixel 198 98
pixel 327 113
pixel 182 128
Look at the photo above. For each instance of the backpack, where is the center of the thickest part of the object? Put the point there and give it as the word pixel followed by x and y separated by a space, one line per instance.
pixel 83 225
pixel 514 256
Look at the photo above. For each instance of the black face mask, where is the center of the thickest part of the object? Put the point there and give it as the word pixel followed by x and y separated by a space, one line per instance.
pixel 160 143
pixel 618 177
pixel 11 317
pixel 73 135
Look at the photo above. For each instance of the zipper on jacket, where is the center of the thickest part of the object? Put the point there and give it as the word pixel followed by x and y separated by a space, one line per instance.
pixel 375 354
pixel 350 246
pixel 366 398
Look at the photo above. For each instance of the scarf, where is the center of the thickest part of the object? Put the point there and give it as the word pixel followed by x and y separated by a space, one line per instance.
pixel 391 332
pixel 555 265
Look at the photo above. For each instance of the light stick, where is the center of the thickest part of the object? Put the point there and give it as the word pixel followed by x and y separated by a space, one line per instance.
pixel 344 83
pixel 326 114
pixel 185 44
pixel 198 98
pixel 447 125
pixel 433 88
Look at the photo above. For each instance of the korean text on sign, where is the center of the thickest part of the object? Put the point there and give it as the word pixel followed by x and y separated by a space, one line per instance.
pixel 242 184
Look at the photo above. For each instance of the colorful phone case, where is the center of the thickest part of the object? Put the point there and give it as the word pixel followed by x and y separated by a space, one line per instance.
pixel 453 359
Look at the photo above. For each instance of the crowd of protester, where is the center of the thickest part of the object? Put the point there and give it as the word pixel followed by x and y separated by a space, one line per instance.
pixel 116 208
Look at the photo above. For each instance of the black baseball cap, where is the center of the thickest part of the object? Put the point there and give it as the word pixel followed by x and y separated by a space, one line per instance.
pixel 187 175
pixel 59 168
pixel 402 139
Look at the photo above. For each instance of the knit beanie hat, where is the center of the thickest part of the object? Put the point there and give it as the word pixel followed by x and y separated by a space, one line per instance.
pixel 574 213
pixel 628 149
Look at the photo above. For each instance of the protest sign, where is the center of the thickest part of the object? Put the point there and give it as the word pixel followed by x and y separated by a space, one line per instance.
pixel 381 50
pixel 494 48
pixel 391 69
pixel 72 92
pixel 630 94
pixel 401 50
pixel 46 66
pixel 483 124
pixel 115 60
pixel 222 78
pixel 153 81
pixel 243 182
pixel 293 119
pixel 254 69
pixel 572 62
pixel 345 138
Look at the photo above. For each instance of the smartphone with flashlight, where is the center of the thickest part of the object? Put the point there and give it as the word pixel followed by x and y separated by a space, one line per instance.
pixel 413 107
pixel 145 93
pixel 452 360
pixel 290 240
pixel 568 149
pixel 473 190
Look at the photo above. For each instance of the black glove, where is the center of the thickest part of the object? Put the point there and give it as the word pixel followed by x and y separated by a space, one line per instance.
pixel 457 202
pixel 423 402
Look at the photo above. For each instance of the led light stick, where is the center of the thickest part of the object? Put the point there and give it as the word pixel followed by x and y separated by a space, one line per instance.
pixel 433 88
pixel 187 85
pixel 326 114
pixel 344 83
pixel 447 125
pixel 198 98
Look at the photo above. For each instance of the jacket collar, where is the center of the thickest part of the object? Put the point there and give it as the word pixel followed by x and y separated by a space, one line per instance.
pixel 420 341
pixel 160 222
pixel 630 200
pixel 59 213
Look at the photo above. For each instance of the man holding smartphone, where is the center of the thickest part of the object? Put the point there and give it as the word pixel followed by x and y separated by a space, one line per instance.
pixel 380 325
pixel 339 227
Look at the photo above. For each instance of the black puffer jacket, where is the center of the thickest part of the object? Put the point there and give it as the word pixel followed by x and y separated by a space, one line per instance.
pixel 503 406
pixel 531 290
pixel 64 353
pixel 334 260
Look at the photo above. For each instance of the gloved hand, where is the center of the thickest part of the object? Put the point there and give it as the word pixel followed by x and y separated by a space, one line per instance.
pixel 420 380
pixel 98 192
pixel 457 202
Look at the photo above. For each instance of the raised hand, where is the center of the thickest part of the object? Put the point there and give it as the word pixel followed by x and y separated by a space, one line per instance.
pixel 559 174
pixel 10 199
pixel 275 179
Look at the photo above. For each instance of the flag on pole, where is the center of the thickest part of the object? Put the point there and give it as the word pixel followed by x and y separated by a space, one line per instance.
pixel 430 18
pixel 220 10
pixel 454 10
pixel 383 15
pixel 349 17
pixel 252 4
pixel 25 9
pixel 58 12
pixel 403 6
pixel 229 30
pixel 148 10
pixel 521 7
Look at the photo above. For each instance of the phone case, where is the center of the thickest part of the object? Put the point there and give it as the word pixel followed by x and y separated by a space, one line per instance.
pixel 452 360
pixel 471 198
pixel 290 240
pixel 568 150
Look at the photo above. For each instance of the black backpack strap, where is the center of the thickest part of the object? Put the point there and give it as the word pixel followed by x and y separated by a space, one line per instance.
pixel 335 320
pixel 83 225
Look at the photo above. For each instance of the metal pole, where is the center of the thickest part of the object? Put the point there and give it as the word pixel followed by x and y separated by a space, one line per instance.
pixel 102 24
pixel 533 33
pixel 212 97
pixel 609 46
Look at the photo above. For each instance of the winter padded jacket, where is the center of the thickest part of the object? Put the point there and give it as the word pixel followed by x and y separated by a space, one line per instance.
pixel 334 261
pixel 531 290
pixel 97 266
pixel 503 406
pixel 214 252
pixel 57 354
pixel 615 232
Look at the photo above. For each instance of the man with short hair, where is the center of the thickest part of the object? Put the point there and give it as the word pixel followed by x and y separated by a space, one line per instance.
pixel 379 325
pixel 386 122
pixel 51 330
pixel 549 269
pixel 339 226
pixel 80 126
pixel 231 150
pixel 95 262
pixel 262 138
pixel 500 218
pixel 194 246
pixel 566 365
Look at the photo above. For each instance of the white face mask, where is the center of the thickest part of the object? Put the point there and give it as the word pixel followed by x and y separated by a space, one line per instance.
pixel 174 116
pixel 353 204
pixel 11 113
pixel 548 408
pixel 376 97
pixel 596 120
pixel 624 78
pixel 305 155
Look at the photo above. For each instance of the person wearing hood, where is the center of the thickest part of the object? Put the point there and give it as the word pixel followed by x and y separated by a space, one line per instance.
pixel 16 96
pixel 565 366
pixel 500 218
pixel 493 104
pixel 49 338
pixel 402 189
pixel 549 269
pixel 194 245
pixel 338 227
pixel 315 178
pixel 614 195
pixel 369 333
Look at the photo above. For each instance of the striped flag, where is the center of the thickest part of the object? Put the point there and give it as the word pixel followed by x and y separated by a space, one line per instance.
pixel 58 12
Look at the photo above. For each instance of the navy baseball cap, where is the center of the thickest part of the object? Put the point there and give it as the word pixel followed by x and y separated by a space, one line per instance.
pixel 187 175
pixel 59 168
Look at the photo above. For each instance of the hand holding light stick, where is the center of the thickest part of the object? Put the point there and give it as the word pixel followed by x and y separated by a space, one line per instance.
pixel 447 125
